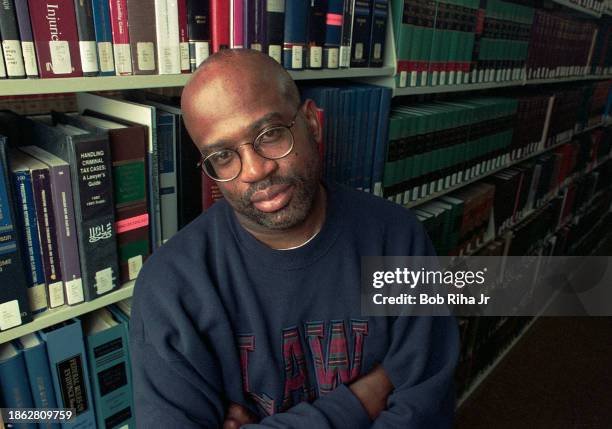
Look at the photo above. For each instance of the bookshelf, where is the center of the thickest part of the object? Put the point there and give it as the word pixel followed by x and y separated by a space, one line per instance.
pixel 503 167
pixel 578 8
pixel 51 317
pixel 113 83
pixel 399 92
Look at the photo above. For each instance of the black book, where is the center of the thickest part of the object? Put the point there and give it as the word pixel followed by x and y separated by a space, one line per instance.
pixel 362 26
pixel 315 36
pixel 198 28
pixel 11 43
pixel 87 37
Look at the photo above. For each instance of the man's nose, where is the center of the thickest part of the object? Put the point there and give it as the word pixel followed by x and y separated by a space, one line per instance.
pixel 254 166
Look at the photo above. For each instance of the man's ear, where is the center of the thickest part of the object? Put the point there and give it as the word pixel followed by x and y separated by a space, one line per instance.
pixel 312 119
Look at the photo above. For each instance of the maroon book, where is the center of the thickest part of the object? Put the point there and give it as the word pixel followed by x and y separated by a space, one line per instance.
pixel 56 38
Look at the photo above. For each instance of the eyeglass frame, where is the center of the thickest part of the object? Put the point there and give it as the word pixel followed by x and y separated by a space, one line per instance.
pixel 288 127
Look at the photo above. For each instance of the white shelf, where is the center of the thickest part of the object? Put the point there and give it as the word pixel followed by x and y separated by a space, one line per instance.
pixel 578 8
pixel 495 170
pixel 110 83
pixel 399 92
pixel 52 317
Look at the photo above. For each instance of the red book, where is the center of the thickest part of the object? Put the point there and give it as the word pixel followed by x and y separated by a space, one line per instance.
pixel 220 24
pixel 56 38
pixel 121 37
pixel 183 36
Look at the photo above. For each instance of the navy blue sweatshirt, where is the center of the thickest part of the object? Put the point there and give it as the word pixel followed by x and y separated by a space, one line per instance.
pixel 219 317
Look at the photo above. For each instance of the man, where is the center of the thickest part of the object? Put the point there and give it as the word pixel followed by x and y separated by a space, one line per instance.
pixel 251 314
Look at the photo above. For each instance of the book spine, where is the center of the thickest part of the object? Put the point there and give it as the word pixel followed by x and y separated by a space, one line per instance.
pixel 41 384
pixel 275 28
pixel 56 38
pixel 97 234
pixel 108 360
pixel 198 27
pixel 66 228
pixel 13 294
pixel 121 37
pixel 167 175
pixel 26 214
pixel 167 34
pixel 254 11
pixel 236 24
pixel 104 36
pixel 333 34
pixel 69 372
pixel 219 24
pixel 294 40
pixel 87 37
pixel 11 44
pixel 347 33
pixel 141 14
pixel 188 178
pixel 316 33
pixel 27 39
pixel 360 42
pixel 14 385
pixel 380 13
pixel 183 35
pixel 48 237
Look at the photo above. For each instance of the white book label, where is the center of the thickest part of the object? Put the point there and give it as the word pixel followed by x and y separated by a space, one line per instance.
pixel 145 56
pixel 316 57
pixel 202 51
pixel 60 57
pixel 275 51
pixel 10 315
pixel 359 51
pixel 403 79
pixel 105 54
pixel 332 58
pixel 275 6
pixel 104 280
pixel 74 291
pixel 37 297
pixel 56 294
pixel 184 53
pixel 123 58
pixel 29 58
pixel 345 56
pixel 89 60
pixel 377 51
pixel 134 266
pixel 13 58
pixel 413 78
pixel 297 56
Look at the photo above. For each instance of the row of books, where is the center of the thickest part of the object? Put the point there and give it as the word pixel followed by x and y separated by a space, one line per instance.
pixel 71 38
pixel 593 5
pixel 461 41
pixel 82 364
pixel 483 339
pixel 86 198
pixel 463 220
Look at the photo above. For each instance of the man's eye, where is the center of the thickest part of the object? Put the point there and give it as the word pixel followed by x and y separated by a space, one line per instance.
pixel 222 157
pixel 271 136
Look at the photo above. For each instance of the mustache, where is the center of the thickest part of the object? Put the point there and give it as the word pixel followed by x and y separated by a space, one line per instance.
pixel 266 183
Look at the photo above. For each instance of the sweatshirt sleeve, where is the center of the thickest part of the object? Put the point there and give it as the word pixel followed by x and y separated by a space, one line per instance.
pixel 421 364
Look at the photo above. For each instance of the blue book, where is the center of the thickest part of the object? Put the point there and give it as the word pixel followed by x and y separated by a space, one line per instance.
pixel 14 385
pixel 378 32
pixel 34 352
pixel 104 36
pixel 294 44
pixel 106 341
pixel 27 40
pixel 357 143
pixel 166 147
pixel 380 147
pixel 333 34
pixel 14 304
pixel 366 140
pixel 370 131
pixel 69 372
pixel 360 41
pixel 26 213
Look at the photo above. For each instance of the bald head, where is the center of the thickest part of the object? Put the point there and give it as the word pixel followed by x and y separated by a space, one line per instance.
pixel 242 73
